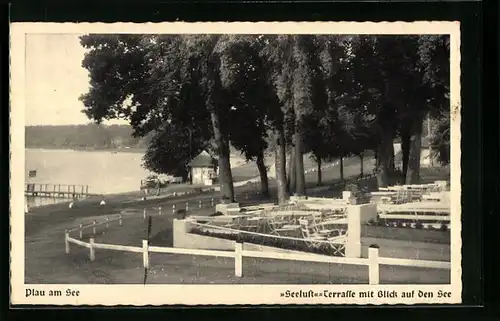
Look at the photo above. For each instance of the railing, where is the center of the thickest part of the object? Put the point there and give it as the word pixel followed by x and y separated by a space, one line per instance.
pixel 373 261
pixel 56 188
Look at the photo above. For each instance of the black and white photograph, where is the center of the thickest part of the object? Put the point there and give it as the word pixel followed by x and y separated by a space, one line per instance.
pixel 235 163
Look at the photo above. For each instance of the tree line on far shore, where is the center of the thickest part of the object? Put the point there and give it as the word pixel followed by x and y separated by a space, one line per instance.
pixel 86 136
pixel 329 95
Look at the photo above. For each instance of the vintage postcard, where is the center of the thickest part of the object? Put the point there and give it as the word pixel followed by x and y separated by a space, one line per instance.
pixel 235 163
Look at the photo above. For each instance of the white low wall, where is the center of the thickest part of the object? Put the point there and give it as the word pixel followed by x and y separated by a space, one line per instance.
pixel 356 216
pixel 183 239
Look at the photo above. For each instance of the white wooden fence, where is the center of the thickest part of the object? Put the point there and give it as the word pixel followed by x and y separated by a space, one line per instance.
pixel 373 261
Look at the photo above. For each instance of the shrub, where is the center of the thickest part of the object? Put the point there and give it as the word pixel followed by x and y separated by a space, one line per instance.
pixel 399 224
pixel 443 227
pixel 418 225
pixel 295 245
pixel 382 222
pixel 181 214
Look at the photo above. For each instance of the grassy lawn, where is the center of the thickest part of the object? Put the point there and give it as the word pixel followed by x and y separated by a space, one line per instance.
pixel 46 262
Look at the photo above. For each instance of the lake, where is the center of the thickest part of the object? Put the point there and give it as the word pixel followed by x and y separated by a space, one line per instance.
pixel 105 172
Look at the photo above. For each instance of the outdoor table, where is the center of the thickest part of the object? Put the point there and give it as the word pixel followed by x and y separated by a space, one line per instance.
pixel 336 221
pixel 291 227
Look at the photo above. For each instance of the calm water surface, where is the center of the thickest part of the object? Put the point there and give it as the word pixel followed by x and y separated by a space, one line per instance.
pixel 105 172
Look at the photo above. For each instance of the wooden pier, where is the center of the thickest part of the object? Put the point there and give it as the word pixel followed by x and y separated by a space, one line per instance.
pixel 56 190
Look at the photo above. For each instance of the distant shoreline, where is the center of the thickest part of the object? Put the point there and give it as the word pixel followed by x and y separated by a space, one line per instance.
pixel 117 150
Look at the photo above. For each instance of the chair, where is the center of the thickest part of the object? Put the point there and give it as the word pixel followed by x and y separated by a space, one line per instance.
pixel 313 240
pixel 281 224
pixel 337 244
pixel 253 223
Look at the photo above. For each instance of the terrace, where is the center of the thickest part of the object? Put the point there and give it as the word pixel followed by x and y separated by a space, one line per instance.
pixel 329 226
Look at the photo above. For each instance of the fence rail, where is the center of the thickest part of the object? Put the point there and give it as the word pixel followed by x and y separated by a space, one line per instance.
pixel 373 261
pixel 174 250
pixel 118 247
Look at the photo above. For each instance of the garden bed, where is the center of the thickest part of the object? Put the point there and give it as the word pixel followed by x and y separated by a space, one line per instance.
pixel 286 244
pixel 406 234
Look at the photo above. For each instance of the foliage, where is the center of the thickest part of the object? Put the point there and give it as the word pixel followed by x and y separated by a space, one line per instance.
pixel 171 149
pixel 334 96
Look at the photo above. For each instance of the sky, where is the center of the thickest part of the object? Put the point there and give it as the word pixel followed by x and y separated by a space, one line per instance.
pixel 55 80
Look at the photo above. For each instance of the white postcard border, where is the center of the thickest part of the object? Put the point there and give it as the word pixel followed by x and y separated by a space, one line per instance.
pixel 219 294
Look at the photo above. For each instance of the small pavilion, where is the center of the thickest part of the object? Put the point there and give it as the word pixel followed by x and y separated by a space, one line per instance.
pixel 203 169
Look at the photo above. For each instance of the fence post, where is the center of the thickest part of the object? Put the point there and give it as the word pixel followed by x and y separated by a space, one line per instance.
pixel 93 227
pixel 92 250
pixel 66 241
pixel 120 220
pixel 187 206
pixel 81 230
pixel 107 222
pixel 159 210
pixel 199 204
pixel 173 209
pixel 144 214
pixel 373 266
pixel 238 259
pixel 145 253
pixel 212 202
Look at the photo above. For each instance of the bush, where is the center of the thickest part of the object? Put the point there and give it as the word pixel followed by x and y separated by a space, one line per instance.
pixel 418 225
pixel 382 222
pixel 181 214
pixel 443 227
pixel 295 245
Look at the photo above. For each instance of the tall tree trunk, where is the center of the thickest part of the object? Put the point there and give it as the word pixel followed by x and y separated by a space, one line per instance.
pixel 320 178
pixel 299 165
pixel 264 183
pixel 413 173
pixel 292 177
pixel 361 167
pixel 341 168
pixel 280 156
pixel 405 150
pixel 225 175
pixel 429 139
pixel 385 159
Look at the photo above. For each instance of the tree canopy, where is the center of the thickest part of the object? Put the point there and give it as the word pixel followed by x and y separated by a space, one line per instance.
pixel 331 95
